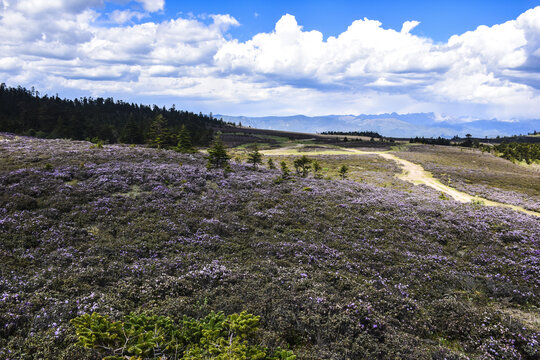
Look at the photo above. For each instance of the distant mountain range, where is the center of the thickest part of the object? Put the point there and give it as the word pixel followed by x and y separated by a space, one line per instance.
pixel 392 125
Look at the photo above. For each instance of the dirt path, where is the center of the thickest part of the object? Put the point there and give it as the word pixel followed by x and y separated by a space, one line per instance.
pixel 412 173
pixel 416 174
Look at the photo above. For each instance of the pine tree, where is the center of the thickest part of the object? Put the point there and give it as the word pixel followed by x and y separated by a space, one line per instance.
pixel 343 171
pixel 61 129
pixel 158 134
pixel 217 155
pixel 302 165
pixel 184 141
pixel 255 157
pixel 271 165
pixel 131 133
pixel 316 169
pixel 285 172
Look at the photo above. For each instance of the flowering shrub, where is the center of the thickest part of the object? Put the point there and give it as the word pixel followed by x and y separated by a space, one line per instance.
pixel 347 270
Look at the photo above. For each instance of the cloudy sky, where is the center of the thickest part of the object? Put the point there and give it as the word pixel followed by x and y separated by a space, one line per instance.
pixel 463 59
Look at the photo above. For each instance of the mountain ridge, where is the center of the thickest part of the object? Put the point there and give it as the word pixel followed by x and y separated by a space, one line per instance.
pixel 390 124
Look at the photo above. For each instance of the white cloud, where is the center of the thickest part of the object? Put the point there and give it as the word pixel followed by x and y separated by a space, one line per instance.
pixel 70 44
pixel 9 64
pixel 470 68
pixel 152 5
pixel 365 50
pixel 123 16
pixel 40 8
pixel 408 26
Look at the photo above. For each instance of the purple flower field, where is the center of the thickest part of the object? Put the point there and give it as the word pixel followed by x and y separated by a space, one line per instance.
pixel 346 270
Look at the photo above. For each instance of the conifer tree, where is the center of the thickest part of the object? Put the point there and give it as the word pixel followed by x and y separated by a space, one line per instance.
pixel 131 133
pixel 316 169
pixel 343 171
pixel 158 135
pixel 255 157
pixel 217 155
pixel 285 172
pixel 184 141
pixel 302 165
pixel 271 165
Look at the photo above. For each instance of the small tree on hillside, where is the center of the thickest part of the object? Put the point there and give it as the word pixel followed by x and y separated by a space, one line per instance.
pixel 255 157
pixel 184 141
pixel 343 171
pixel 302 165
pixel 316 169
pixel 271 165
pixel 217 155
pixel 285 172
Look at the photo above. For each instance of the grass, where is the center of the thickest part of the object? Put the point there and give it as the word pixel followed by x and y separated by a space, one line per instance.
pixel 248 146
pixel 278 139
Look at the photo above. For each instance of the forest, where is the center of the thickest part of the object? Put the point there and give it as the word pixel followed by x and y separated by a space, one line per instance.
pixel 518 152
pixel 513 151
pixel 353 133
pixel 26 112
pixel 430 141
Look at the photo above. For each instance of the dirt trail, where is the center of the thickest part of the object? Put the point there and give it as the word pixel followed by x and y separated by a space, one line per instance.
pixel 416 174
pixel 412 172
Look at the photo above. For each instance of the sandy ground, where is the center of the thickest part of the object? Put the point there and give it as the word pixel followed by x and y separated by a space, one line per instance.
pixel 412 172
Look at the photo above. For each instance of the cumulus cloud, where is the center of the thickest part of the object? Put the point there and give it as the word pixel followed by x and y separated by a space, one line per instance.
pixel 408 26
pixel 490 65
pixel 152 5
pixel 122 16
pixel 365 52
pixel 73 44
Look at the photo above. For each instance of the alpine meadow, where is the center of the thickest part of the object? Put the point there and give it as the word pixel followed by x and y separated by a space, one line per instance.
pixel 373 191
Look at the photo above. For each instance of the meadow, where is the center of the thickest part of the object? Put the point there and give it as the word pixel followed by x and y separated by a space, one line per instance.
pixel 369 267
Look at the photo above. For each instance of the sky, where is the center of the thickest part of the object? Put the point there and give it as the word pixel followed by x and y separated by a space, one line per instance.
pixel 462 60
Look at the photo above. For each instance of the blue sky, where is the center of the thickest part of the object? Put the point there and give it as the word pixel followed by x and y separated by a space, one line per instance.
pixel 439 19
pixel 462 60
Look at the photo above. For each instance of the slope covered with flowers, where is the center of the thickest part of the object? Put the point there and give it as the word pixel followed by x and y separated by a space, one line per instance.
pixel 334 268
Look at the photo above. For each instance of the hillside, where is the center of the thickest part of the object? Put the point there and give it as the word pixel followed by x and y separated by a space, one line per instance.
pixel 370 267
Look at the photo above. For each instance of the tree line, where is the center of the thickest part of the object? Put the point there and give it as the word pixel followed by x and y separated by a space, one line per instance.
pixel 26 112
pixel 513 151
pixel 518 152
pixel 371 134
pixel 430 141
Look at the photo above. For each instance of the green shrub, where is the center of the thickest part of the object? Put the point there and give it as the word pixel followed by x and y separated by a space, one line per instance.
pixel 97 145
pixel 443 196
pixel 215 336
pixel 476 202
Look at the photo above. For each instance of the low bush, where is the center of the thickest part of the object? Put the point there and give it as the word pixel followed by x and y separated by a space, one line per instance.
pixel 215 336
